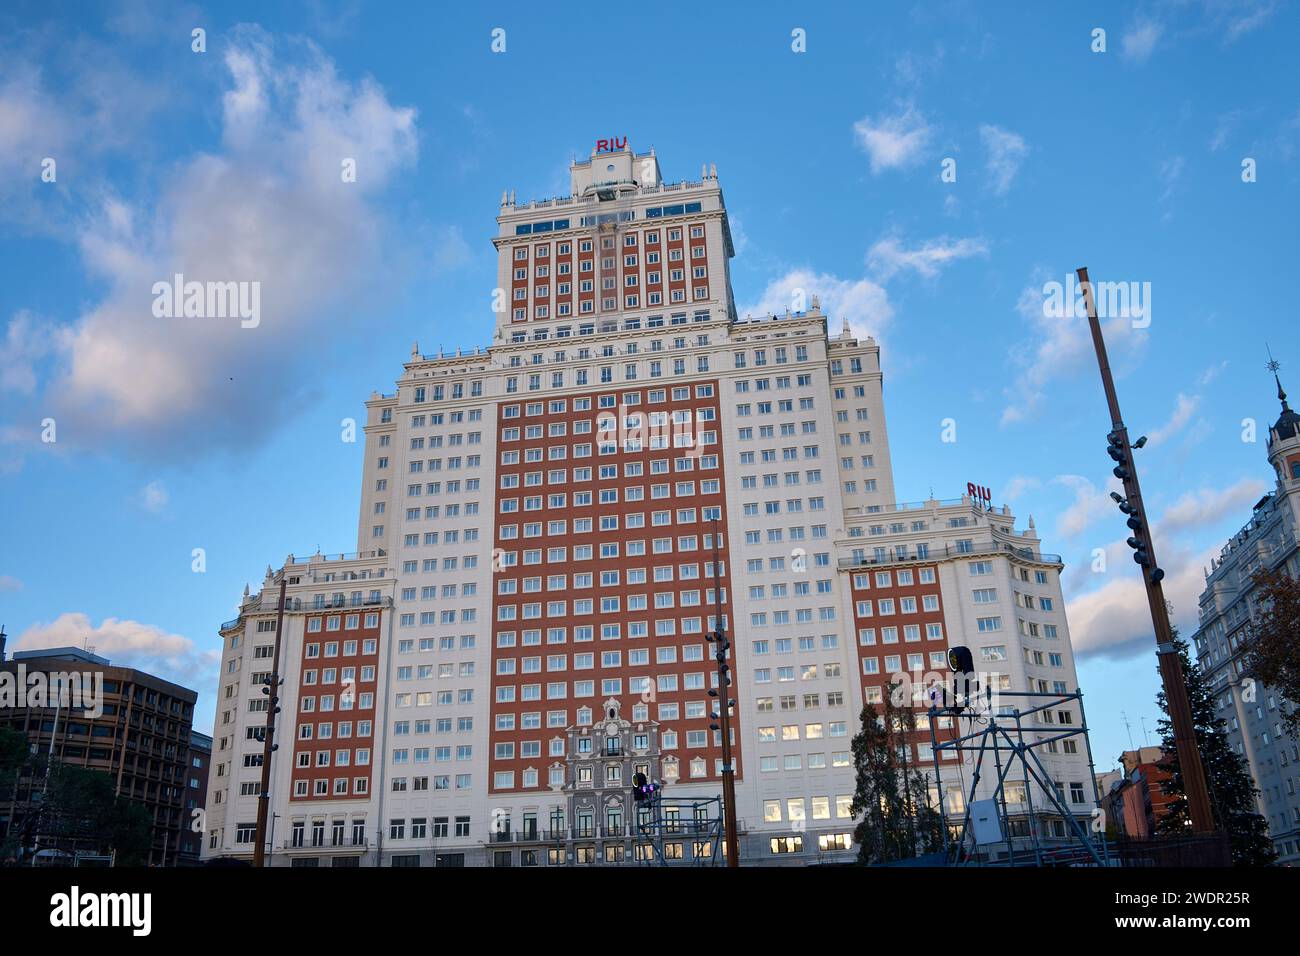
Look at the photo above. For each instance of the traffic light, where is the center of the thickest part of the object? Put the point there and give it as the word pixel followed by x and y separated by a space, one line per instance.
pixel 1138 540
pixel 1141 553
pixel 1116 450
pixel 643 788
pixel 960 660
pixel 961 663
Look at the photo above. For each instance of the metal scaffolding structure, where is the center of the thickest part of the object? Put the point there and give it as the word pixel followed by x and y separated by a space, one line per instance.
pixel 1002 735
pixel 699 820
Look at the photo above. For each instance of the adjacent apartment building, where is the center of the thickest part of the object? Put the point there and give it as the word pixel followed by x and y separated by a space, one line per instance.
pixel 199 763
pixel 1133 796
pixel 1227 606
pixel 551 525
pixel 124 722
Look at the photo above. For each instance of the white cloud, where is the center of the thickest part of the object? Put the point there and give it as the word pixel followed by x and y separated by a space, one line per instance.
pixel 130 644
pixel 1006 151
pixel 269 207
pixel 1239 17
pixel 1115 619
pixel 1211 373
pixel 911 69
pixel 888 256
pixel 1090 504
pixel 894 141
pixel 1170 175
pixel 1056 347
pixel 1225 128
pixel 154 497
pixel 1208 506
pixel 450 251
pixel 27 341
pixel 1017 487
pixel 101 107
pixel 739 238
pixel 1185 407
pixel 1140 39
pixel 864 303
pixel 9 583
pixel 32 128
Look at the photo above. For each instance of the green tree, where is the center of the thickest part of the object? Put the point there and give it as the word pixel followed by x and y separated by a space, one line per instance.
pixel 892 794
pixel 1273 649
pixel 15 751
pixel 1232 794
pixel 81 812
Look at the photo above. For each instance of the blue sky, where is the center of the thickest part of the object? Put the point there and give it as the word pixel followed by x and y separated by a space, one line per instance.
pixel 172 436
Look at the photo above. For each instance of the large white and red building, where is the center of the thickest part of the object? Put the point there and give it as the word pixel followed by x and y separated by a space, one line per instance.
pixel 524 623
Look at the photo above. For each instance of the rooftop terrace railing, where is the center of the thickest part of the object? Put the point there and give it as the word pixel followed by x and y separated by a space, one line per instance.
pixel 948 551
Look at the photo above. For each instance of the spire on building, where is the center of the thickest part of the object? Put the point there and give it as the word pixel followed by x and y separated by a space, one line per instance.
pixel 1288 423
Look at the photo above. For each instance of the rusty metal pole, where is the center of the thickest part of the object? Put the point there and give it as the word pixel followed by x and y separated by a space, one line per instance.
pixel 1171 672
pixel 273 698
pixel 721 645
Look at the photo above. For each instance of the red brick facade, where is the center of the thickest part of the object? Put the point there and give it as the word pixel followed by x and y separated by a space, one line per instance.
pixel 603 571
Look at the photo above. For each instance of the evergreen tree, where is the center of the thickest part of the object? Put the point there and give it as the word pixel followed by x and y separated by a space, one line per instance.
pixel 1232 794
pixel 15 753
pixel 892 795
pixel 1273 648
pixel 80 812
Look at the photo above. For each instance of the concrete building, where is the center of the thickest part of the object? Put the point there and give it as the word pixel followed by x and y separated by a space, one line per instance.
pixel 626 422
pixel 123 722
pixel 198 766
pixel 336 640
pixel 1227 607
pixel 1134 797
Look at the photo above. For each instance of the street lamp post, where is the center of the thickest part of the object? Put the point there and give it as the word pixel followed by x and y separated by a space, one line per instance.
pixel 1171 672
pixel 723 714
pixel 272 691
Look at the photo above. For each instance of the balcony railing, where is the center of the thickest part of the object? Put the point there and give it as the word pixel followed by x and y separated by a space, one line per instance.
pixel 948 551
pixel 526 835
pixel 908 506
pixel 338 603
pixel 341 556
pixel 307 843
pixel 592 832
pixel 255 605
pixel 684 828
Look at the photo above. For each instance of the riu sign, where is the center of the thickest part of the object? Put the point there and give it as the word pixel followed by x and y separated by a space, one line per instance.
pixel 611 145
pixel 979 493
